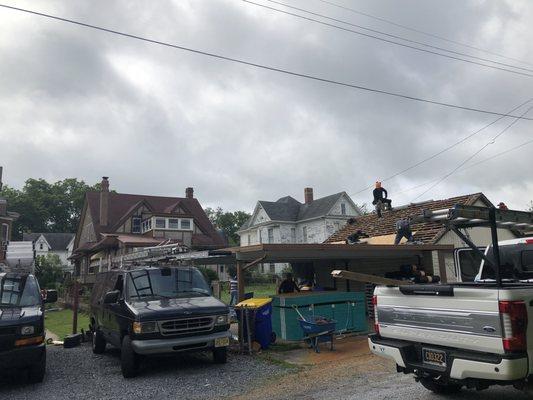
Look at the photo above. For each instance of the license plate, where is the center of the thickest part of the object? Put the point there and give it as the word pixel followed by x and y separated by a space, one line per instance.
pixel 222 342
pixel 434 357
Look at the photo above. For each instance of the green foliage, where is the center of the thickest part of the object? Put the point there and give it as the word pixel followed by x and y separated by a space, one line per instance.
pixel 48 271
pixel 47 207
pixel 209 274
pixel 228 221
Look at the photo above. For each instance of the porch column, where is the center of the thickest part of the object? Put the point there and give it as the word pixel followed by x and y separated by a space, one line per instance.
pixel 240 280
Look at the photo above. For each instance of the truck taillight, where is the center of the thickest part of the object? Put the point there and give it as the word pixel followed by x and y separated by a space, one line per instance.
pixel 514 324
pixel 375 304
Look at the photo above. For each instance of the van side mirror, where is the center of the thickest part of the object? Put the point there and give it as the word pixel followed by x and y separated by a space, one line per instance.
pixel 51 296
pixel 112 297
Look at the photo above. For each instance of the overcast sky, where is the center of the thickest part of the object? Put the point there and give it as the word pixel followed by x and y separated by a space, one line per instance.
pixel 75 102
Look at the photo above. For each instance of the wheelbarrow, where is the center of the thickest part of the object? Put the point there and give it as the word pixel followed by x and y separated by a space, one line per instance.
pixel 317 330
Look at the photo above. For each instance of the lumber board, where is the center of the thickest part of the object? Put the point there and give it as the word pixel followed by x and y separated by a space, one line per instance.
pixel 359 277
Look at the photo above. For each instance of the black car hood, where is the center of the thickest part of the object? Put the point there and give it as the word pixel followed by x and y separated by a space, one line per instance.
pixel 177 308
pixel 10 316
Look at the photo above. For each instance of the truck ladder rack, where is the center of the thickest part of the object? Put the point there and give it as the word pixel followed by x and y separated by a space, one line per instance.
pixel 463 216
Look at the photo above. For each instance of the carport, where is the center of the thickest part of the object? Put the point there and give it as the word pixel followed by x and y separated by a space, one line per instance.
pixel 321 259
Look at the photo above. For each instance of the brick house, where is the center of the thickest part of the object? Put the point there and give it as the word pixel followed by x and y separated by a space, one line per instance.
pixel 115 224
pixel 6 223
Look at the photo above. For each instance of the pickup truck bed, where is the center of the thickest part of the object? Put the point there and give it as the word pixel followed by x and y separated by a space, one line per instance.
pixel 457 334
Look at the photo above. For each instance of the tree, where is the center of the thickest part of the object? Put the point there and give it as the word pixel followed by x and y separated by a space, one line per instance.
pixel 47 207
pixel 228 221
pixel 48 271
pixel 209 274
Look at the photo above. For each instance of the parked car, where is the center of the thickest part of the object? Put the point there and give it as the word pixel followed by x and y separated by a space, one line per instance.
pixel 22 345
pixel 157 311
pixel 473 334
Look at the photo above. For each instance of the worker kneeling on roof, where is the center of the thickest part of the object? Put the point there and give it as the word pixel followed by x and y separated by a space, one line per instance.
pixel 403 229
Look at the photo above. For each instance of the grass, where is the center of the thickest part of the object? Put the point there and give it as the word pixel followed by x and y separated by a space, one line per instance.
pixel 60 322
pixel 259 290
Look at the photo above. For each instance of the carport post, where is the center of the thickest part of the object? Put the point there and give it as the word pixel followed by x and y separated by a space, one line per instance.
pixel 240 280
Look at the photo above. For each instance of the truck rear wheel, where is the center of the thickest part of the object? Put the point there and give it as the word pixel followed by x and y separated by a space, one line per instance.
pixel 99 342
pixel 129 360
pixel 439 387
pixel 37 371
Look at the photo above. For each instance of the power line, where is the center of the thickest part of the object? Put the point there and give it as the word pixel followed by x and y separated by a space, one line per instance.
pixel 396 37
pixel 469 166
pixel 472 156
pixel 441 151
pixel 262 66
pixel 422 32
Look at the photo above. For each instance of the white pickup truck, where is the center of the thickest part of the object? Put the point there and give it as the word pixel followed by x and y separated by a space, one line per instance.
pixel 471 334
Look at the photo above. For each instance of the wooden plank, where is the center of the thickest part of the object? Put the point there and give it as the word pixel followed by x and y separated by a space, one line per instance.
pixel 359 277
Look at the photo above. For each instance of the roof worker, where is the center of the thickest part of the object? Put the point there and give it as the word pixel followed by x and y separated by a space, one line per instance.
pixel 502 206
pixel 288 285
pixel 403 229
pixel 380 195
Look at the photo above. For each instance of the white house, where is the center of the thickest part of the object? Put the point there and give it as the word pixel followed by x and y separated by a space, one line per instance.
pixel 289 221
pixel 60 244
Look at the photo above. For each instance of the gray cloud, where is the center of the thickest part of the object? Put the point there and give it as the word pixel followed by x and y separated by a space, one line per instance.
pixel 76 102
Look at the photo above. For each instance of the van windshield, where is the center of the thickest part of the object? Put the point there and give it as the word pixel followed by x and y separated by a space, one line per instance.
pixel 20 291
pixel 516 262
pixel 166 283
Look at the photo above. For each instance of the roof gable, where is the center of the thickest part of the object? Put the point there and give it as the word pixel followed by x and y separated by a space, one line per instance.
pixel 427 232
pixel 56 241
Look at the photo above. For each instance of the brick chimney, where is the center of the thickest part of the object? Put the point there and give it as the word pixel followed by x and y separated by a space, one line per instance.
pixel 308 195
pixel 104 201
pixel 189 193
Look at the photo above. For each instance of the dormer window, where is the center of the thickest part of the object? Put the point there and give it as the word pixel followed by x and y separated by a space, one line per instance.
pixel 136 225
pixel 343 208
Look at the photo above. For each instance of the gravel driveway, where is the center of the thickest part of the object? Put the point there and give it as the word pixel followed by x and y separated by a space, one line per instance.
pixel 79 374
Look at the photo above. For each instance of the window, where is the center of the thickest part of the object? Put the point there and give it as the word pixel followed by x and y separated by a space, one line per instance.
pixel 135 225
pixel 337 226
pixel 249 239
pixel 469 263
pixel 272 268
pixel 5 230
pixel 343 209
pixel 41 246
pixel 186 224
pixel 293 235
pixel 270 235
pixel 260 237
pixel 160 223
pixel 147 225
pixel 527 260
pixel 173 223
pixel 304 234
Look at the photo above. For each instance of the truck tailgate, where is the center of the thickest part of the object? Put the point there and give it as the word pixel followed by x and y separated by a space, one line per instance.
pixel 465 317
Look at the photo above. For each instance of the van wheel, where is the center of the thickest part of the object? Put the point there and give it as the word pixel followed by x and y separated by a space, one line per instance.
pixel 439 387
pixel 37 371
pixel 220 355
pixel 99 342
pixel 129 360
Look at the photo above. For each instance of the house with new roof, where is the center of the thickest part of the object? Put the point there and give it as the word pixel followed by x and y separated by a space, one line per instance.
pixel 113 225
pixel 383 230
pixel 60 244
pixel 287 220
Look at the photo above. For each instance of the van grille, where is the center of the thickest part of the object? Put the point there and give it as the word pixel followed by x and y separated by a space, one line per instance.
pixel 186 325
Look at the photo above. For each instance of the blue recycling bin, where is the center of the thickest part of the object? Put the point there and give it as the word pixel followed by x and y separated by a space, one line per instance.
pixel 260 313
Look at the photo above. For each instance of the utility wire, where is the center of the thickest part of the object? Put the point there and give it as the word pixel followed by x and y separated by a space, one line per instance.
pixel 441 151
pixel 399 37
pixel 386 40
pixel 468 167
pixel 262 66
pixel 472 156
pixel 388 21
